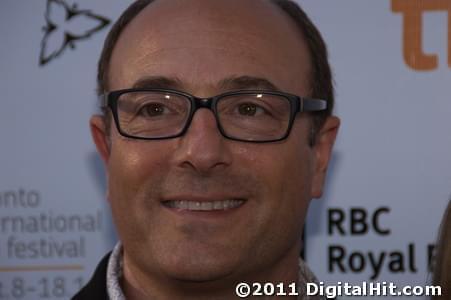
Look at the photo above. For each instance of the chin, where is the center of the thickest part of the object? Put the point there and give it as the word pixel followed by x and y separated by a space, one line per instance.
pixel 203 268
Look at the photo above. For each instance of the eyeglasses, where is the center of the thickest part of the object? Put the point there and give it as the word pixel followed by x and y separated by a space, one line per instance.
pixel 244 115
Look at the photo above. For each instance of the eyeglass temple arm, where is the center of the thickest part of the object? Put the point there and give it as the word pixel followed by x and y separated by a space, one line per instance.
pixel 103 99
pixel 309 104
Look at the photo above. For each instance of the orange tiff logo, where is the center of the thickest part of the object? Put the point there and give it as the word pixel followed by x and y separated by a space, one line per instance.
pixel 412 11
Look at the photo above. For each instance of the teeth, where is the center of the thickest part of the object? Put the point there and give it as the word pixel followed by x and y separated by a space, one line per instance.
pixel 217 205
pixel 204 205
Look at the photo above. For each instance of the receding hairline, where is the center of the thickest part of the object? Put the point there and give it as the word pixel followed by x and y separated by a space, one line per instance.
pixel 269 7
pixel 319 79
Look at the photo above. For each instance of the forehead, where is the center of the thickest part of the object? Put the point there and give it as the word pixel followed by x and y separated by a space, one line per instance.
pixel 201 42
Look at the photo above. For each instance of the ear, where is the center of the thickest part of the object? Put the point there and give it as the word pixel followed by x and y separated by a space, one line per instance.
pixel 100 137
pixel 322 152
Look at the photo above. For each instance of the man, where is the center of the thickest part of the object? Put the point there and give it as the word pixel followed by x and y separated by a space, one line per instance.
pixel 215 140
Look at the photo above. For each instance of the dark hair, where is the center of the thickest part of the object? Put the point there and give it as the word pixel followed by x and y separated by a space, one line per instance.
pixel 442 259
pixel 320 80
pixel 111 39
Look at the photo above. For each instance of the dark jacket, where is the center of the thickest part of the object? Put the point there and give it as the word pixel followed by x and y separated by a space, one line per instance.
pixel 96 287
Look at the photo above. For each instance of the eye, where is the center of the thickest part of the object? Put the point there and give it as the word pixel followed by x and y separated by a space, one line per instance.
pixel 250 109
pixel 152 110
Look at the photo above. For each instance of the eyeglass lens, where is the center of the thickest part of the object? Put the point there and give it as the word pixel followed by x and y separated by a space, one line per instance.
pixel 242 116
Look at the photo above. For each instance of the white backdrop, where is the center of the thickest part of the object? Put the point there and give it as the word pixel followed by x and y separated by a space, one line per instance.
pixel 389 181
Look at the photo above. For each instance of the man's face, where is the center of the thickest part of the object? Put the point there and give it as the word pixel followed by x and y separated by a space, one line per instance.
pixel 195 47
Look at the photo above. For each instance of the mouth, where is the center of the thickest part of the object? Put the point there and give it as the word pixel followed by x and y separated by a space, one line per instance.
pixel 217 205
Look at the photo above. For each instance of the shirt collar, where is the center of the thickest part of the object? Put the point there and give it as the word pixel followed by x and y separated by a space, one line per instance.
pixel 114 273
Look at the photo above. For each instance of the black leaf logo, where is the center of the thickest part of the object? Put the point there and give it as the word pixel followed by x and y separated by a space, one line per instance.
pixel 65 26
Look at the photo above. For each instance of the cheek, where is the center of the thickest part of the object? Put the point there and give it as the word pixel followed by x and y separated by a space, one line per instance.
pixel 126 171
pixel 134 166
pixel 288 165
pixel 288 176
pixel 284 171
pixel 291 181
pixel 134 161
pixel 135 172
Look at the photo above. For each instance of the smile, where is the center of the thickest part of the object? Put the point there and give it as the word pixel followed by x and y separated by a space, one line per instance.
pixel 203 205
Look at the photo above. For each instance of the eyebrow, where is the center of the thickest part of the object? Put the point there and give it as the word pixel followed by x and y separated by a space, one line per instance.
pixel 158 82
pixel 247 82
pixel 227 84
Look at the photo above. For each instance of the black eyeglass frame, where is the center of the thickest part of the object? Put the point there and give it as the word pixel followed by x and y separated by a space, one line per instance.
pixel 297 105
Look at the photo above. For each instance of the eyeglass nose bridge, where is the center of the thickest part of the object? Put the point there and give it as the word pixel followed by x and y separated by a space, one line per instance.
pixel 203 103
pixel 208 103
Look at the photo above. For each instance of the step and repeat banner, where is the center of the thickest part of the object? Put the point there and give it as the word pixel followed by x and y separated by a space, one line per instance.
pixel 388 184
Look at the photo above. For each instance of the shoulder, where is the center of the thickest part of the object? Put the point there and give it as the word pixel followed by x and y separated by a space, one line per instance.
pixel 96 287
pixel 305 274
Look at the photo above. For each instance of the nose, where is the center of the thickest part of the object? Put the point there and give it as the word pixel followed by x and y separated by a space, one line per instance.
pixel 202 148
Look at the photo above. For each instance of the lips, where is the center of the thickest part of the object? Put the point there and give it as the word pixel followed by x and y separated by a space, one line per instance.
pixel 216 205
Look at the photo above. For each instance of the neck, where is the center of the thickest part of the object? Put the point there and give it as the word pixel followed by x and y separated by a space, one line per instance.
pixel 138 285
